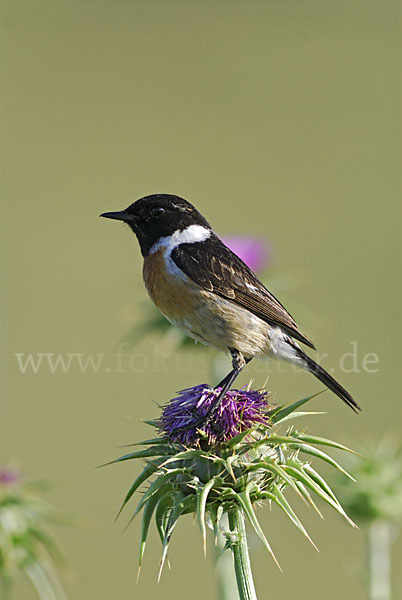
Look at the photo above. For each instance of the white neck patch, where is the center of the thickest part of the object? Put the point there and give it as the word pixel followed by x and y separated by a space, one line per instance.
pixel 192 233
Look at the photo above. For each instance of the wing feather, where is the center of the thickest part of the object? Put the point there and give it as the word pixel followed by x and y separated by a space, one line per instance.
pixel 217 269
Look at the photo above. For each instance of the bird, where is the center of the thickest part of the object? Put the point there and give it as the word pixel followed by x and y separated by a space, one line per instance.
pixel 201 286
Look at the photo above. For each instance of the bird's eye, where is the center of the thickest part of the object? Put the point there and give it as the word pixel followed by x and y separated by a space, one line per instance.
pixel 156 211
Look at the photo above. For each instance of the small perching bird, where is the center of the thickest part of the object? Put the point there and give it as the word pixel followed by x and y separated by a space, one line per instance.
pixel 204 288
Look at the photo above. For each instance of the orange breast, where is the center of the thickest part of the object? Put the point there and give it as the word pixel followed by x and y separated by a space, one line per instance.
pixel 203 315
pixel 175 297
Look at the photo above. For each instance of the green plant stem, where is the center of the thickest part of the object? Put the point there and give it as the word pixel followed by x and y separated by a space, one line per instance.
pixel 241 558
pixel 225 575
pixel 379 545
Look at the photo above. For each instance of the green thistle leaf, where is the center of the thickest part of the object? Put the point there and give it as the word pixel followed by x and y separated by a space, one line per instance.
pixel 202 497
pixel 246 504
pixel 310 439
pixel 146 521
pixel 278 497
pixel 147 472
pixel 308 449
pixel 147 453
pixel 162 480
pixel 281 412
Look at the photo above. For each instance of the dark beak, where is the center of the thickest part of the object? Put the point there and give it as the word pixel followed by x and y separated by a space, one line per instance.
pixel 120 215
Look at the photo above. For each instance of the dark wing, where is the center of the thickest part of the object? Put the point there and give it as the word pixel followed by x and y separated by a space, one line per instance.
pixel 215 268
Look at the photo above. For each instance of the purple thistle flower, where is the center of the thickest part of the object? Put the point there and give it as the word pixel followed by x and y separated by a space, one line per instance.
pixel 238 411
pixel 253 251
pixel 9 476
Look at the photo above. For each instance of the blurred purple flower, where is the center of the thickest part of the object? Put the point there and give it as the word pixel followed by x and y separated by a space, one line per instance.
pixel 9 476
pixel 253 251
pixel 239 410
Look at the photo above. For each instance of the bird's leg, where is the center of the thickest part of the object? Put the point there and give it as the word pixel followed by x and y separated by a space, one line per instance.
pixel 238 364
pixel 229 376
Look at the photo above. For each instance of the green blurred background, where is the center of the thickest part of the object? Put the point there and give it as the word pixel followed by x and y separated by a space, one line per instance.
pixel 277 119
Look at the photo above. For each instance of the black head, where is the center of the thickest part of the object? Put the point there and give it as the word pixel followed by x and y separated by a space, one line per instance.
pixel 156 216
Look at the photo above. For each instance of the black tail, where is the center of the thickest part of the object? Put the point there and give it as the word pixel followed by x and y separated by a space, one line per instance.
pixel 327 380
